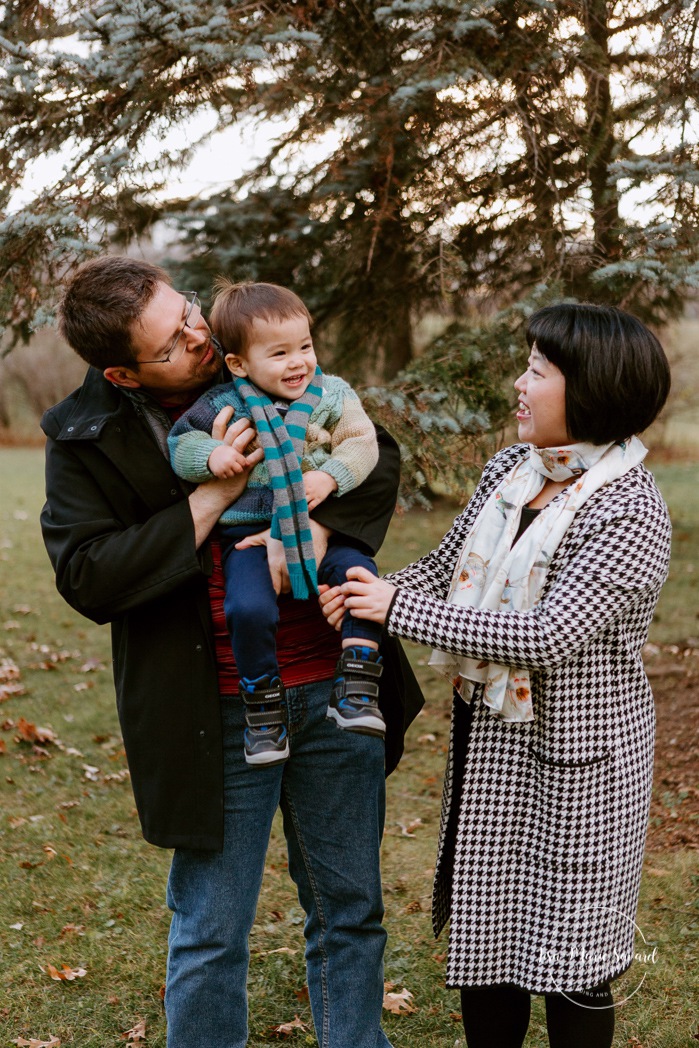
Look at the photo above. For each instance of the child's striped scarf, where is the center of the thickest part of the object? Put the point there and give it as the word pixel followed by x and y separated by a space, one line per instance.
pixel 282 442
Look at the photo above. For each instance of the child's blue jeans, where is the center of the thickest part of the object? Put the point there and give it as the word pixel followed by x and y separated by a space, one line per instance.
pixel 250 603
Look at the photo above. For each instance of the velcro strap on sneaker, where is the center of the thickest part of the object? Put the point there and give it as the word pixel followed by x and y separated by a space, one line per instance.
pixel 265 697
pixel 366 669
pixel 365 688
pixel 264 718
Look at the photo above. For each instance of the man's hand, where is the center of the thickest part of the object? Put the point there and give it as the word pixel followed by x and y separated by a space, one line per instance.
pixel 276 559
pixel 209 500
pixel 318 486
pixel 220 429
pixel 321 535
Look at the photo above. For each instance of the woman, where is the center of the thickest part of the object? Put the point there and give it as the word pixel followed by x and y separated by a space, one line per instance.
pixel 539 600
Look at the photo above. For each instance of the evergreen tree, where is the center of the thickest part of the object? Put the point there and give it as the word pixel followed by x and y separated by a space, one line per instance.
pixel 471 148
pixel 436 154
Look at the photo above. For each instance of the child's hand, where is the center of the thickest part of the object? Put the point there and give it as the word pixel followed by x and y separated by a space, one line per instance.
pixel 225 461
pixel 332 604
pixel 318 486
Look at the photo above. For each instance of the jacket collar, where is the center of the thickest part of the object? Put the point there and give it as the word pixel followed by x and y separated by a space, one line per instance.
pixel 97 402
pixel 105 421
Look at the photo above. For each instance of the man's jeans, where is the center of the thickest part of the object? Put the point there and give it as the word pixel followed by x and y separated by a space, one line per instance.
pixel 331 792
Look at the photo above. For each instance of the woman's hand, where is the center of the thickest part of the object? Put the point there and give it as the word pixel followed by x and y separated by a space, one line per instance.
pixel 366 596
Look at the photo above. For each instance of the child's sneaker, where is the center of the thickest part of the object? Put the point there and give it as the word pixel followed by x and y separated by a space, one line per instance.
pixel 354 704
pixel 266 738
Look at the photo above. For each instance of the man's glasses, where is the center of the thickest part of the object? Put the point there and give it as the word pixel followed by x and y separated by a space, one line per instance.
pixel 179 343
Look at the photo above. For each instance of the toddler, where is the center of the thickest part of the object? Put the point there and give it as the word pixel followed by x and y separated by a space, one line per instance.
pixel 318 443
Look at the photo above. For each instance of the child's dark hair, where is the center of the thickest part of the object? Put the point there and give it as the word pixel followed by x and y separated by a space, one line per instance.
pixel 236 306
pixel 617 375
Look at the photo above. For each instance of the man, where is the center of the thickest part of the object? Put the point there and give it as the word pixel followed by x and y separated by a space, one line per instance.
pixel 130 546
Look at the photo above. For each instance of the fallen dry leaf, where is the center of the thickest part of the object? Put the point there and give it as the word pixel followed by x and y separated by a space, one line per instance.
pixel 406 828
pixel 29 732
pixel 9 670
pixel 136 1033
pixel 66 974
pixel 34 1042
pixel 286 1029
pixel 71 929
pixel 53 659
pixel 118 776
pixel 91 666
pixel 11 690
pixel 399 1003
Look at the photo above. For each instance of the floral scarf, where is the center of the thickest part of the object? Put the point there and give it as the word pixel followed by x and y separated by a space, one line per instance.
pixel 492 574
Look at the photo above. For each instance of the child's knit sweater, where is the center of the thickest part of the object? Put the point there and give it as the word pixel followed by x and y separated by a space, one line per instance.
pixel 340 440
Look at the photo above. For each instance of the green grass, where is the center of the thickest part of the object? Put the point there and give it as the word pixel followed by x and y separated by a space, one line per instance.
pixel 677 615
pixel 89 893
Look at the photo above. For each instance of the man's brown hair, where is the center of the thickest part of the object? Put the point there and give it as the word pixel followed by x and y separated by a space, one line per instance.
pixel 236 307
pixel 101 302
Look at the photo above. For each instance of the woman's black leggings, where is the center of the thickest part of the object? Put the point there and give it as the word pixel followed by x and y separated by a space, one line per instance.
pixel 499 1016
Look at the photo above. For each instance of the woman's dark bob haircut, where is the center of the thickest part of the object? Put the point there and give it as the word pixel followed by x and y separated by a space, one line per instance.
pixel 617 375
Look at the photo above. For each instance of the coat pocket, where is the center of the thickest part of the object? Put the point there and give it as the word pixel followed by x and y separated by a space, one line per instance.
pixel 571 820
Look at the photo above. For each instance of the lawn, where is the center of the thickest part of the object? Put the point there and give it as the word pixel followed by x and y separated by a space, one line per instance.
pixel 79 888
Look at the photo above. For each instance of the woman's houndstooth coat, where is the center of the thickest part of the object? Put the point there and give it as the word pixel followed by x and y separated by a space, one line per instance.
pixel 543 823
